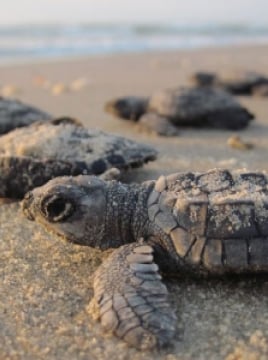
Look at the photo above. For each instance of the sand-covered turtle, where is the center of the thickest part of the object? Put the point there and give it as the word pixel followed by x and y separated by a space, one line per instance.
pixel 165 111
pixel 32 155
pixel 186 223
pixel 15 114
pixel 237 83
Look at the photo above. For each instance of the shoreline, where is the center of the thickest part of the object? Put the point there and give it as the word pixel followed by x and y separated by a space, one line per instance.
pixel 20 62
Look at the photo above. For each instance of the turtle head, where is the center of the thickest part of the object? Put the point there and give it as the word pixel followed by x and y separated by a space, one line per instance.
pixel 71 207
pixel 129 108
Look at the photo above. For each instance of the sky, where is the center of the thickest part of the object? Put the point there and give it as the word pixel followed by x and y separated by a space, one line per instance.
pixel 135 11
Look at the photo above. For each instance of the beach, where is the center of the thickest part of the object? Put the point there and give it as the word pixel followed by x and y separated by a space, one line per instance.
pixel 47 284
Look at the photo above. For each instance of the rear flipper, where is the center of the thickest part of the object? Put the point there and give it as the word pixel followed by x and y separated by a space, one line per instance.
pixel 131 301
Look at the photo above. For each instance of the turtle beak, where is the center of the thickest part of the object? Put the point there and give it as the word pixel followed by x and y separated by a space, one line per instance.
pixel 27 205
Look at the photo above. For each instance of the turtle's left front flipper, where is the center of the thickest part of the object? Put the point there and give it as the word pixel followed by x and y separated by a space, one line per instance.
pixel 130 299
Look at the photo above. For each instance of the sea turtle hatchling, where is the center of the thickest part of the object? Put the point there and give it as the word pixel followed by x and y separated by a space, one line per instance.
pixel 164 111
pixel 197 223
pixel 32 155
pixel 237 83
pixel 14 114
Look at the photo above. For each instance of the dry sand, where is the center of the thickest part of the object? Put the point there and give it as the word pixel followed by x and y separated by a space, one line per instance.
pixel 46 284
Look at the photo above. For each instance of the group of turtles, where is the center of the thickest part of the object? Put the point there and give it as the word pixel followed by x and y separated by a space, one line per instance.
pixel 209 103
pixel 34 147
pixel 46 148
pixel 200 223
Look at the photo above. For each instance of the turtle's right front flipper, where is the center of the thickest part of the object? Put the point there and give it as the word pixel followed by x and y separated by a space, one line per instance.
pixel 130 299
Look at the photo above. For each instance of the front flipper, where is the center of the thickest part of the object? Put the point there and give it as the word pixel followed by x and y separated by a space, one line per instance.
pixel 130 299
pixel 111 174
pixel 157 124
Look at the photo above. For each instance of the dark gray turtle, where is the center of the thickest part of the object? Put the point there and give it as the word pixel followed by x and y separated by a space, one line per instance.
pixel 32 155
pixel 168 109
pixel 238 83
pixel 197 223
pixel 15 114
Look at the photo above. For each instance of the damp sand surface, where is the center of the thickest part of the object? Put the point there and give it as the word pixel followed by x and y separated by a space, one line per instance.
pixel 46 284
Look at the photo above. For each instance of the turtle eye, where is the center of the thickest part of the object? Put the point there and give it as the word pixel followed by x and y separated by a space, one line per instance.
pixel 56 208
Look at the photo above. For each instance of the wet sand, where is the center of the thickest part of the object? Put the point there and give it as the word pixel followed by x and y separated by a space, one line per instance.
pixel 46 284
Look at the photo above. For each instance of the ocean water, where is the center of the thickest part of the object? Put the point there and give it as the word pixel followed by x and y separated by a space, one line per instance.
pixel 29 42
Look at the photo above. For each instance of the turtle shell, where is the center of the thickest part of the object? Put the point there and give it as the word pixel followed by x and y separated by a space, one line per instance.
pixel 201 107
pixel 216 219
pixel 14 114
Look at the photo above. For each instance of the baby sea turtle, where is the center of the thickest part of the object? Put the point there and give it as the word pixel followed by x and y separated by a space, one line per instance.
pixel 237 83
pixel 14 114
pixel 165 110
pixel 32 155
pixel 197 223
